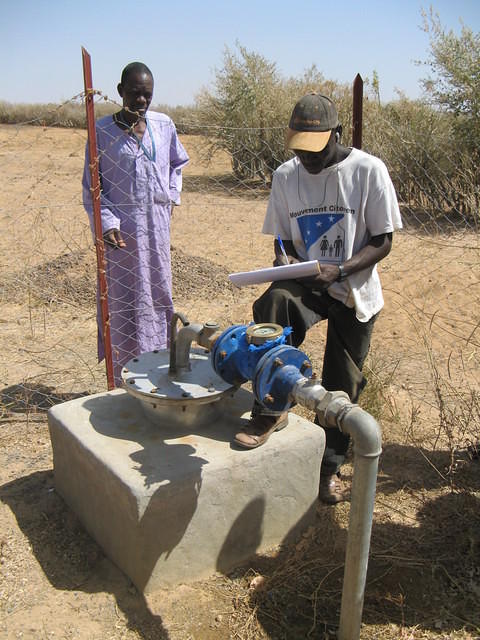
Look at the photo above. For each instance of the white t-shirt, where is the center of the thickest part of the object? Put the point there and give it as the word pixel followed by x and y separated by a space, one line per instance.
pixel 330 216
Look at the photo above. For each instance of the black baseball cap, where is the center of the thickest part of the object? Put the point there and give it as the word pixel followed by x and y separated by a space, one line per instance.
pixel 313 118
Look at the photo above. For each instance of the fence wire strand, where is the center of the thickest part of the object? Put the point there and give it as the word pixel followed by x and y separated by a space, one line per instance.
pixel 431 279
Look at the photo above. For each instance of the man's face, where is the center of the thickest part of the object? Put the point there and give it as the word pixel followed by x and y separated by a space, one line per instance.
pixel 316 161
pixel 137 92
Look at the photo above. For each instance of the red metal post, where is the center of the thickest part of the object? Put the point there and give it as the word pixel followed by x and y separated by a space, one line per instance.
pixel 357 112
pixel 95 189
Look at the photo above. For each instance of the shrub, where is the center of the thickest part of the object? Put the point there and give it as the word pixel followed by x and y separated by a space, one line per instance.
pixel 248 112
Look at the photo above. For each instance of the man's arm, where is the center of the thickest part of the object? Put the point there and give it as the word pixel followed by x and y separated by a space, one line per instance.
pixel 178 159
pixel 375 250
pixel 110 222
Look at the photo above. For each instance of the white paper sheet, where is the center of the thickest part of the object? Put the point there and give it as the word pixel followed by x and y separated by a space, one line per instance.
pixel 270 274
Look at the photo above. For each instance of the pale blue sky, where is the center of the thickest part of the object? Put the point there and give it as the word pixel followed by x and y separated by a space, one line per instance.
pixel 183 42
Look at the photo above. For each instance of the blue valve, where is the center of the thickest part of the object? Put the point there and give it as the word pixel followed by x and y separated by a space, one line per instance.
pixel 259 353
pixel 276 375
pixel 235 354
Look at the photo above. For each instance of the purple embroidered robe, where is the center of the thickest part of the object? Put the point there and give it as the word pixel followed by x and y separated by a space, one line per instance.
pixel 138 185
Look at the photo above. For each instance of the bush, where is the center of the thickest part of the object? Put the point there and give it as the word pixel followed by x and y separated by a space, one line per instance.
pixel 425 148
pixel 454 81
pixel 248 112
pixel 431 167
pixel 71 114
pixel 185 118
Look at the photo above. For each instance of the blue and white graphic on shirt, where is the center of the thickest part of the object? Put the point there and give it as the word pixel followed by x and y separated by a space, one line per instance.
pixel 324 231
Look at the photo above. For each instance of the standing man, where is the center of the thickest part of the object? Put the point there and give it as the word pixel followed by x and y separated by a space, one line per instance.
pixel 140 161
pixel 342 196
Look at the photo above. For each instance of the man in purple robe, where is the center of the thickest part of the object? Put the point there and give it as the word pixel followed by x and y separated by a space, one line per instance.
pixel 140 163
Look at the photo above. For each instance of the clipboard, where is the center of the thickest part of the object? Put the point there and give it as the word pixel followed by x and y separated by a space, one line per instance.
pixel 271 274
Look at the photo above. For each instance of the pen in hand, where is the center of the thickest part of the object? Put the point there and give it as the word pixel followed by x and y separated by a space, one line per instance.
pixel 282 248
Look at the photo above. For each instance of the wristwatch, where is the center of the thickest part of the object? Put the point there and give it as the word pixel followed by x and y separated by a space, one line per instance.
pixel 341 273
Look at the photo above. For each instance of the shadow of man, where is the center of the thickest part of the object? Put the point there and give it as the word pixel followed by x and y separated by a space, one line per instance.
pixel 68 556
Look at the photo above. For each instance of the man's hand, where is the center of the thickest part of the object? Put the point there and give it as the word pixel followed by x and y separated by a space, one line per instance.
pixel 114 239
pixel 375 250
pixel 280 259
pixel 327 276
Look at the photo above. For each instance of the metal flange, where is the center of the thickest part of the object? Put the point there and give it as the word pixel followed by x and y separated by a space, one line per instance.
pixel 276 375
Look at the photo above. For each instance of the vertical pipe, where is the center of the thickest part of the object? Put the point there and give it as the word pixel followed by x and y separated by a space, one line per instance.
pixel 173 339
pixel 334 409
pixel 358 545
pixel 367 447
pixel 357 118
pixel 95 191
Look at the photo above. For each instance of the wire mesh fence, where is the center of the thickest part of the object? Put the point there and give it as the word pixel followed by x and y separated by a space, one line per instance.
pixel 427 340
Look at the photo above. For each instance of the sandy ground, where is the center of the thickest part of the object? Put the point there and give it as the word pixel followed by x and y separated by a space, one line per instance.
pixel 423 371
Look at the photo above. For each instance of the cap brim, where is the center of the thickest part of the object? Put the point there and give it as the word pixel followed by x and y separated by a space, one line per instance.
pixel 307 140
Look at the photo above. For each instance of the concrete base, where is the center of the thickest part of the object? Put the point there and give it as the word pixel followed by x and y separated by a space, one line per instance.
pixel 169 507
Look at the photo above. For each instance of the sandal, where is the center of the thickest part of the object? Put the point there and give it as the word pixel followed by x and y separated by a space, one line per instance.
pixel 259 429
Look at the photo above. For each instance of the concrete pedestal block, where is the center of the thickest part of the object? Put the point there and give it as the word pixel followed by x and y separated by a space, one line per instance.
pixel 170 507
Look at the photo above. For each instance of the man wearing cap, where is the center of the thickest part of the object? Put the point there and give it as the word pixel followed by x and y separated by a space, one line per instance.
pixel 336 205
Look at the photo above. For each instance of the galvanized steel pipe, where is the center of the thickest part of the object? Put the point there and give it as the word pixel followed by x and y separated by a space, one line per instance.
pixel 334 409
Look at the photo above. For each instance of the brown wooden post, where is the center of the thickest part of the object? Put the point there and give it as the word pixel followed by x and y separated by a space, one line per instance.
pixel 357 120
pixel 95 190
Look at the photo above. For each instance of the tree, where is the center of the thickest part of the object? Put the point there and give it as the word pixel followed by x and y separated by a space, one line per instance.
pixel 454 80
pixel 241 115
pixel 248 112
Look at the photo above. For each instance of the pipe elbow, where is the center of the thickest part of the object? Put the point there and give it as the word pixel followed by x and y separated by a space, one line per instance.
pixel 207 338
pixel 365 431
pixel 185 337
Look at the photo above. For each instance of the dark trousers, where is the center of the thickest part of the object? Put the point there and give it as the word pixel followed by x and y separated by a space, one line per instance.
pixel 289 303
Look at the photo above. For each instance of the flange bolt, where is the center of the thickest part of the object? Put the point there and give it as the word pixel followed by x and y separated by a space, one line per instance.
pixel 305 365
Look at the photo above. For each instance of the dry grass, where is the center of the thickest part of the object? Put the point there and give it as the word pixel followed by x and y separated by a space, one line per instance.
pixel 423 580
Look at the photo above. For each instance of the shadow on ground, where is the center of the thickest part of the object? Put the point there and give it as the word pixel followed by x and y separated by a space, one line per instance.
pixel 29 397
pixel 423 569
pixel 69 557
